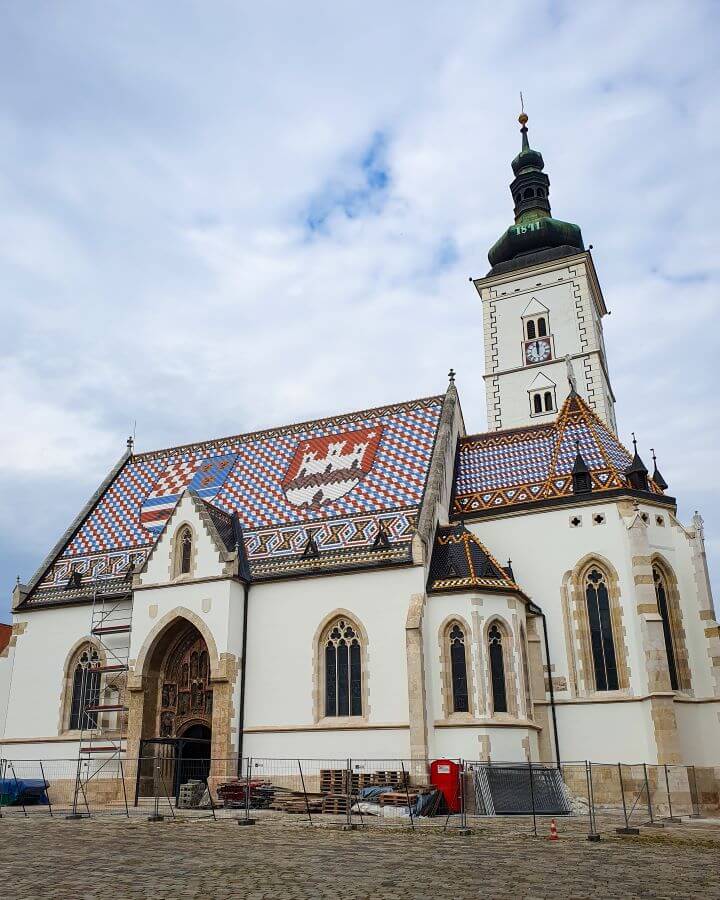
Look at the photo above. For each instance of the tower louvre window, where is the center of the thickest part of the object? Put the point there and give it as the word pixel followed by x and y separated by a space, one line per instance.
pixel 530 329
pixel 549 405
pixel 541 326
pixel 537 403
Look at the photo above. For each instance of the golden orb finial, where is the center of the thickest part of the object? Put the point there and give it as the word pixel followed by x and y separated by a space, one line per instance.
pixel 522 118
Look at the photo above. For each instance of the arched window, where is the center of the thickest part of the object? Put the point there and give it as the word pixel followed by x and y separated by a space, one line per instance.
pixel 663 601
pixel 541 327
pixel 85 690
pixel 529 193
pixel 185 551
pixel 458 668
pixel 537 403
pixel 343 669
pixel 530 328
pixel 602 643
pixel 549 401
pixel 497 669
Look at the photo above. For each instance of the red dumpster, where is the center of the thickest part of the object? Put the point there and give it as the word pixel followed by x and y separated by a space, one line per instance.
pixel 445 775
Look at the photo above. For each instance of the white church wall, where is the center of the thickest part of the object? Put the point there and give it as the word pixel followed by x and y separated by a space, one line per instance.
pixel 544 546
pixel 7 663
pixel 606 732
pixel 283 621
pixel 456 734
pixel 699 731
pixel 205 556
pixel 33 725
pixel 208 600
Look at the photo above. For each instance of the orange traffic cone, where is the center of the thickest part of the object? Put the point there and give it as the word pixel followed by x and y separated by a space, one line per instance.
pixel 553 831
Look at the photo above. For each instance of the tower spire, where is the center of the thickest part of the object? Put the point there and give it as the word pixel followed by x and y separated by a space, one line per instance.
pixel 535 229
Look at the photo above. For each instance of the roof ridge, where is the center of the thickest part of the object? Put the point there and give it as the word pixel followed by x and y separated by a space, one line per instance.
pixel 280 429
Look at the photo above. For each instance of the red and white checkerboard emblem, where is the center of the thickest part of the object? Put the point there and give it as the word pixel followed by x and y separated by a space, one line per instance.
pixel 325 468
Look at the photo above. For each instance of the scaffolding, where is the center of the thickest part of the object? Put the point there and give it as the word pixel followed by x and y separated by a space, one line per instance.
pixel 103 706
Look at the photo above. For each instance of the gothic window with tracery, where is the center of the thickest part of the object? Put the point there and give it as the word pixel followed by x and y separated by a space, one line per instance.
pixel 458 669
pixel 85 690
pixel 343 669
pixel 602 643
pixel 497 669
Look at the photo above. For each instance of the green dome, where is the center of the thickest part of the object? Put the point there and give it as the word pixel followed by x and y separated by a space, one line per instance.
pixel 541 234
pixel 528 159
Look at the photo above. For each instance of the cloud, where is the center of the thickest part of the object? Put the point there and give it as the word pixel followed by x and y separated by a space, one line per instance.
pixel 212 223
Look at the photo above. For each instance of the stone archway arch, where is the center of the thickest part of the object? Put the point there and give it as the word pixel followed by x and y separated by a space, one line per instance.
pixel 160 629
pixel 144 687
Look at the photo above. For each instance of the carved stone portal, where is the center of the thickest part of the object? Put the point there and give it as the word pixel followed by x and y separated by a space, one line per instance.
pixel 186 698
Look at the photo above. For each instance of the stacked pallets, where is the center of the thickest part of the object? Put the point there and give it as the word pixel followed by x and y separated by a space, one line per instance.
pixel 340 781
pixel 336 804
pixel 297 802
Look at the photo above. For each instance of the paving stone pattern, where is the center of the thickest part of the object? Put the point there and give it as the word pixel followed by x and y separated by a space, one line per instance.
pixel 54 858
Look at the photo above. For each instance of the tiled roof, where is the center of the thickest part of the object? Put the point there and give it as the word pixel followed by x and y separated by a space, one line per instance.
pixel 335 479
pixel 501 469
pixel 461 562
pixel 5 635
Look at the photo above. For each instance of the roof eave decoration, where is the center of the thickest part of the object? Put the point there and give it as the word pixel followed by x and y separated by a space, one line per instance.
pixel 461 562
pixel 522 467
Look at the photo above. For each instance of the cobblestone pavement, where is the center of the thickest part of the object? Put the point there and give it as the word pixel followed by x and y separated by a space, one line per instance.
pixel 118 859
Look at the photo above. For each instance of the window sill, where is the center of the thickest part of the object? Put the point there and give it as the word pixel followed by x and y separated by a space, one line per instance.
pixel 341 721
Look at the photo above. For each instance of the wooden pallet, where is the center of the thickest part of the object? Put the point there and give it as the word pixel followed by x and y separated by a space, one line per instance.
pixel 398 798
pixel 336 804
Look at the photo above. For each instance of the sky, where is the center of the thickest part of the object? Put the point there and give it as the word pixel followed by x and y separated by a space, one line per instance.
pixel 220 216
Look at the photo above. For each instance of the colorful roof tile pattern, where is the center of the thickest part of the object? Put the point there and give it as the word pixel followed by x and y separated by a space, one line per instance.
pixel 499 469
pixel 461 562
pixel 337 479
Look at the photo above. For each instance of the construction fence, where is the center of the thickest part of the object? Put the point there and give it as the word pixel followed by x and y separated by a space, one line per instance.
pixel 448 793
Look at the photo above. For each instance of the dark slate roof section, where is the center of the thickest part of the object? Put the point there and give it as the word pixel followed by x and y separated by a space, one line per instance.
pixel 461 562
pixel 524 466
pixel 224 525
pixel 338 476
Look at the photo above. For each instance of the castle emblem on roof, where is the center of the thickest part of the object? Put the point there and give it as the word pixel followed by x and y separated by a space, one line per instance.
pixel 328 467
pixel 205 476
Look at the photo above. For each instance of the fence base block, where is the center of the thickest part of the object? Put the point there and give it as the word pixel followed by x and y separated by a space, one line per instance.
pixel 627 831
pixel 463 831
pixel 593 837
pixel 246 821
pixel 74 817
pixel 653 824
pixel 350 828
pixel 156 818
pixel 672 820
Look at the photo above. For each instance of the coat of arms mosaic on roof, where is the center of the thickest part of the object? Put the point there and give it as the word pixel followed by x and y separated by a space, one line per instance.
pixel 336 480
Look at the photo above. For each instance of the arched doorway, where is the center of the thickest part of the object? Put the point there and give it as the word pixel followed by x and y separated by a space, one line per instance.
pixel 193 753
pixel 177 716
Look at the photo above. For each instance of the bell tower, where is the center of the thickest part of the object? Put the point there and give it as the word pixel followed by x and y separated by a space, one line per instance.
pixel 542 310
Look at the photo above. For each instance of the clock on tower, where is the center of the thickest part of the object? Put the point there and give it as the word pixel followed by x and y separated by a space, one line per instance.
pixel 537 351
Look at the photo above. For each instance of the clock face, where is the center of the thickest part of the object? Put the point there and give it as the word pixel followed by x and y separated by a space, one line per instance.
pixel 537 351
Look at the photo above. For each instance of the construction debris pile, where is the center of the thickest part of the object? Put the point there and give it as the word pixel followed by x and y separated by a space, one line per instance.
pixel 387 793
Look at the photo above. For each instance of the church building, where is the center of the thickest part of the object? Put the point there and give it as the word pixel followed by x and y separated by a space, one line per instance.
pixel 385 583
